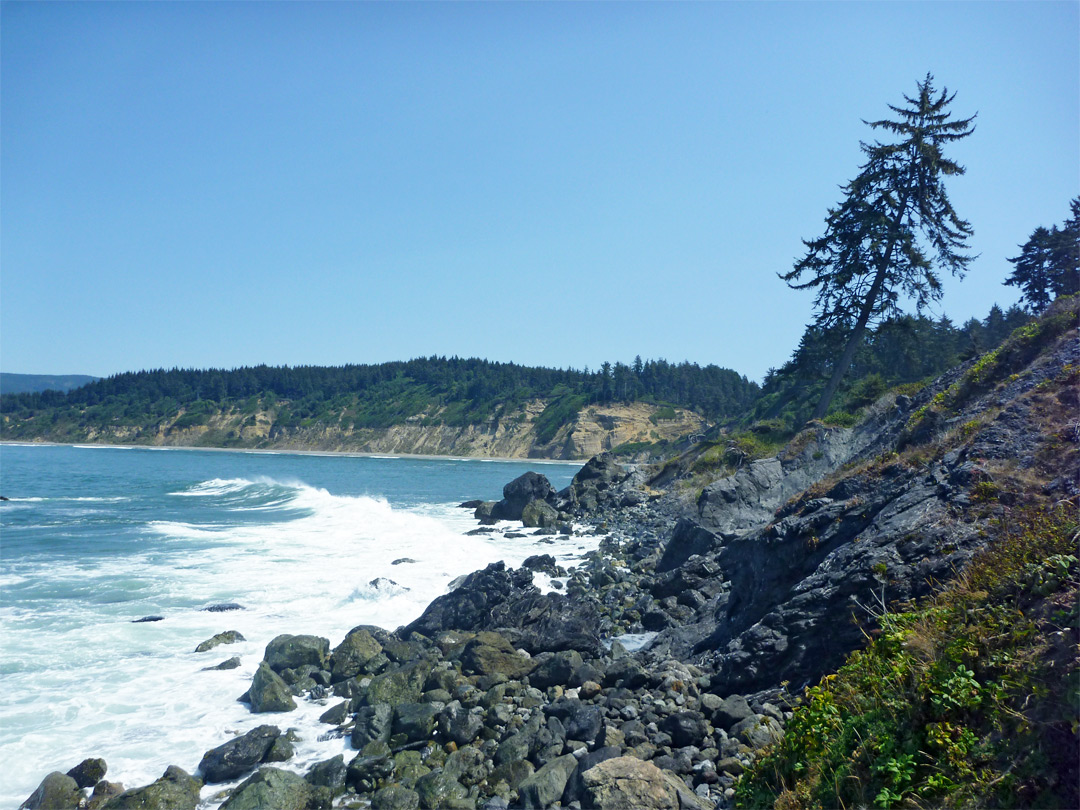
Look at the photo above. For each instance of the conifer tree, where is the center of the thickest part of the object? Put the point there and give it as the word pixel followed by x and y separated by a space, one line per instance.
pixel 1049 263
pixel 893 231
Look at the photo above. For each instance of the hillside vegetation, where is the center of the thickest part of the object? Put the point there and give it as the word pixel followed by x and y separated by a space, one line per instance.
pixel 435 405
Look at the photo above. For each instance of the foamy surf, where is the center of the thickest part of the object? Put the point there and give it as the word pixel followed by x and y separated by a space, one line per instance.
pixel 79 678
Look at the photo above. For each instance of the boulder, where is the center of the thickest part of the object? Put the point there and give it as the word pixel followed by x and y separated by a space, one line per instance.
pixel 292 652
pixel 239 755
pixel 468 606
pixel 439 791
pixel 89 772
pixel 490 654
pixel 227 637
pixel 268 693
pixel 414 721
pixel 57 791
pixel 329 773
pixel 546 786
pixel 403 685
pixel 732 710
pixel 520 492
pixel 467 765
pixel 395 797
pixel 757 731
pixel 575 786
pixel 103 791
pixel 175 790
pixel 367 770
pixel 685 728
pixel 281 790
pixel 539 514
pixel 351 657
pixel 580 720
pixel 626 782
pixel 372 723
pixel 458 724
pixel 557 670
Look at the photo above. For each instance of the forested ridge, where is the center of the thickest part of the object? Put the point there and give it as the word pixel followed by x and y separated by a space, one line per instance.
pixel 434 390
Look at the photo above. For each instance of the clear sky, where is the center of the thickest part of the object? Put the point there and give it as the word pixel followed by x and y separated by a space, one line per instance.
pixel 203 184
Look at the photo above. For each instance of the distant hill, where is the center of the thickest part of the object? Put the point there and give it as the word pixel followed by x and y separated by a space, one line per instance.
pixel 34 383
pixel 430 405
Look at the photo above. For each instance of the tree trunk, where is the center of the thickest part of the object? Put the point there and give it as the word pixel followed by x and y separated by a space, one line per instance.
pixel 860 324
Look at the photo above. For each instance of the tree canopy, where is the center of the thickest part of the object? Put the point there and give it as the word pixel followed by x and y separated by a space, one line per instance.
pixel 1049 263
pixel 893 232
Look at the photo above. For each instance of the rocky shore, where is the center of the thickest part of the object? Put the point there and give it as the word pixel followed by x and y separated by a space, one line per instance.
pixel 653 673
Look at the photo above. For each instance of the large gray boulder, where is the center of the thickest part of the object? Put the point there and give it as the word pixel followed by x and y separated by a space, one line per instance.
pixel 268 693
pixel 292 652
pixel 626 782
pixel 227 637
pixel 239 755
pixel 351 657
pixel 57 791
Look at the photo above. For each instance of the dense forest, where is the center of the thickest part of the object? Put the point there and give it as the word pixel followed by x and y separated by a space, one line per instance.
pixel 448 391
pixel 905 349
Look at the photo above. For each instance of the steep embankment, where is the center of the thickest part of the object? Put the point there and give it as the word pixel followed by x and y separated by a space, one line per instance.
pixel 593 430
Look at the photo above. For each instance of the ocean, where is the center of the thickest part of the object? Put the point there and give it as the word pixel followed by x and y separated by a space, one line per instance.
pixel 93 538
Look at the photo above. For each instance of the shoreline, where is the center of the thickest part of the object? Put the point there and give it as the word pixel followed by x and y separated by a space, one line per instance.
pixel 290 451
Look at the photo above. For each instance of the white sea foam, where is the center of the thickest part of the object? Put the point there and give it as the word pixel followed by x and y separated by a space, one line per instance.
pixel 135 693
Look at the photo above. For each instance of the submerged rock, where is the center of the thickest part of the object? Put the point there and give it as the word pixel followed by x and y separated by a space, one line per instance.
pixel 227 637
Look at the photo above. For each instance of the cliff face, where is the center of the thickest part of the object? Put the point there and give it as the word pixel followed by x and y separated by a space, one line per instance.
pixel 594 430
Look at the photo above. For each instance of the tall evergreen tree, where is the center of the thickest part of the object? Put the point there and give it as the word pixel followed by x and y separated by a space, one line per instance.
pixel 893 231
pixel 1049 263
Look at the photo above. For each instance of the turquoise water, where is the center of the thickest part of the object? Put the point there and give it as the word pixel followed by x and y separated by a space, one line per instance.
pixel 93 538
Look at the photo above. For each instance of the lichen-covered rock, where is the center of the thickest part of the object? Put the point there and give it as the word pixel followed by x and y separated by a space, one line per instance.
pixel 57 791
pixel 351 657
pixel 277 789
pixel 89 772
pixel 395 797
pixel 175 790
pixel 404 685
pixel 329 773
pixel 268 693
pixel 625 782
pixel 490 654
pixel 292 652
pixel 439 791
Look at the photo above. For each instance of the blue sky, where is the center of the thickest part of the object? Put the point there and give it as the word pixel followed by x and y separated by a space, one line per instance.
pixel 223 184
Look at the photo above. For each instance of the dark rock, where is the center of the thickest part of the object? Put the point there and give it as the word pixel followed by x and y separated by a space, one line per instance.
pixel 223 607
pixel 228 637
pixel 539 514
pixel 469 504
pixel 148 619
pixel 89 772
pixel 365 772
pixel 283 749
pixel 329 773
pixel 175 790
pixel 467 607
pixel 557 670
pixel 458 724
pixel 228 663
pixel 581 721
pixel 415 721
pixel 403 561
pixel 541 562
pixel 281 790
pixel 485 513
pixel 57 791
pixel 687 539
pixel 685 728
pixel 626 672
pixel 466 765
pixel 520 492
pixel 372 723
pixel 732 710
pixel 292 652
pixel 268 692
pixel 546 786
pixel 336 715
pixel 239 755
